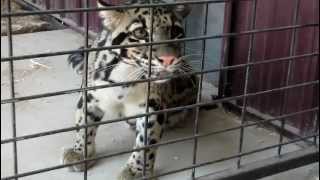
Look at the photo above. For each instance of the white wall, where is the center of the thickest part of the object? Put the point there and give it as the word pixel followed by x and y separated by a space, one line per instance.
pixel 195 27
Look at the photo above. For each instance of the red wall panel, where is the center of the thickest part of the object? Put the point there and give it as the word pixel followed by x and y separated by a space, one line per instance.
pixel 269 45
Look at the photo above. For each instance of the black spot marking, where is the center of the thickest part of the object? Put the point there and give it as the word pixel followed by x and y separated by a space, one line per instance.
pixel 137 10
pixel 137 52
pixel 160 119
pixel 176 32
pixel 151 133
pixel 151 156
pixel 120 96
pixel 107 73
pixel 119 39
pixel 104 57
pixel 124 53
pixel 77 59
pixel 133 40
pixel 150 124
pixel 89 97
pixel 153 141
pixel 144 56
pixel 91 133
pixel 141 138
pixel 153 103
pixel 145 12
pixel 80 103
pixel 94 117
pixel 111 81
pixel 102 43
pixel 96 75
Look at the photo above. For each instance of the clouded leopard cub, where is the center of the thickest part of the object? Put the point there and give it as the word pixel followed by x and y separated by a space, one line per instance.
pixel 123 27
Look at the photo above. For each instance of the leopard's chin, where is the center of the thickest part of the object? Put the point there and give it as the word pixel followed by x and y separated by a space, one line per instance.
pixel 165 75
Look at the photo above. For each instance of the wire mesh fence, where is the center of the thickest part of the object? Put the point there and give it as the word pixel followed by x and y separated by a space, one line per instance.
pixel 251 33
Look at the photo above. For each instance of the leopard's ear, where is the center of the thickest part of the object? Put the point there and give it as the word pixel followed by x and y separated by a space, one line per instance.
pixel 110 18
pixel 183 10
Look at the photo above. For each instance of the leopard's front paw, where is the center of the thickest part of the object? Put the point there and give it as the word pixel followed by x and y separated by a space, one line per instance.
pixel 70 156
pixel 127 174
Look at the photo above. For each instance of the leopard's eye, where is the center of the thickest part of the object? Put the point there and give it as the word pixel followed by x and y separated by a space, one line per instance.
pixel 177 32
pixel 140 33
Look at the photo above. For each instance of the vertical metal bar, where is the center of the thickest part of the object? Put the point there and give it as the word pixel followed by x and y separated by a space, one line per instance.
pixel 185 32
pixel 85 84
pixel 316 114
pixel 223 75
pixel 247 76
pixel 288 77
pixel 316 127
pixel 196 123
pixel 12 91
pixel 151 10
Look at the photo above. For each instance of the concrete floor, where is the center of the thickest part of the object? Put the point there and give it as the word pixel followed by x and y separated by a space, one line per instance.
pixel 57 112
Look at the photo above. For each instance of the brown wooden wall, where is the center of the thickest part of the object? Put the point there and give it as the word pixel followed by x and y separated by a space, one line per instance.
pixel 76 19
pixel 269 45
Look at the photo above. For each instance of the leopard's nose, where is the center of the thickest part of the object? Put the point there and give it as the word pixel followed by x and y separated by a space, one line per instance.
pixel 167 60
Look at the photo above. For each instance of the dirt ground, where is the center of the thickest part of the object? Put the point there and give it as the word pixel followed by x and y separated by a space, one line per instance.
pixel 23 24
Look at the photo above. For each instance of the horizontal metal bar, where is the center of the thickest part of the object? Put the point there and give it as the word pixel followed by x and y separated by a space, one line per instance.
pixel 57 93
pixel 31 136
pixel 158 112
pixel 289 132
pixel 270 166
pixel 229 158
pixel 115 7
pixel 198 104
pixel 148 147
pixel 58 53
pixel 245 173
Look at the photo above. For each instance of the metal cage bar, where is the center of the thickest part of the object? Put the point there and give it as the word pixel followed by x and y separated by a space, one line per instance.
pixel 196 135
pixel 85 93
pixel 289 69
pixel 199 95
pixel 225 35
pixel 247 76
pixel 151 11
pixel 155 112
pixel 25 98
pixel 316 115
pixel 12 90
pixel 116 7
pixel 268 166
pixel 156 145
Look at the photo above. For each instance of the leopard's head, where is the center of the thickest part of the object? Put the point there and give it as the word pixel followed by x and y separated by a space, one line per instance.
pixel 131 26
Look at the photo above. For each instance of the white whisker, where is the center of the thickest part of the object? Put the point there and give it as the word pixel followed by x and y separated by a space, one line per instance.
pixel 189 55
pixel 103 68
